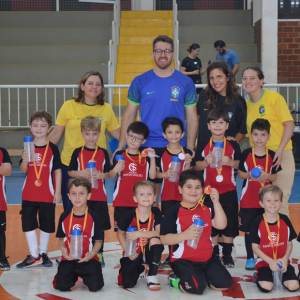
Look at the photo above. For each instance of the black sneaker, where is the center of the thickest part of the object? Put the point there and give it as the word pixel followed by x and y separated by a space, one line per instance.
pixel 30 261
pixel 227 261
pixel 4 264
pixel 58 260
pixel 46 260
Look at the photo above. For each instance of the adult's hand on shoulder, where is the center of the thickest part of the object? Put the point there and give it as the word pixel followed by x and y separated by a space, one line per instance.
pixel 230 138
pixel 277 158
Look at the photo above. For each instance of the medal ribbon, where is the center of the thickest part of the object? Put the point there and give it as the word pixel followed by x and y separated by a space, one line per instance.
pixel 38 173
pixel 270 238
pixel 210 144
pixel 139 228
pixel 267 161
pixel 182 151
pixel 139 160
pixel 82 164
pixel 200 202
pixel 84 224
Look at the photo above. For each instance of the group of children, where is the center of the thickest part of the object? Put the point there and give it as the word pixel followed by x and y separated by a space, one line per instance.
pixel 211 197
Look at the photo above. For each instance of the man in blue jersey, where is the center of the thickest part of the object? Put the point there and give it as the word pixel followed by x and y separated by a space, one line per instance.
pixel 228 55
pixel 159 93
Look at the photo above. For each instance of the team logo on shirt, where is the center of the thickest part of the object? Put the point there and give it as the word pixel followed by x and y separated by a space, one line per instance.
pixel 77 226
pixel 262 109
pixel 187 286
pixel 100 118
pixel 195 217
pixel 274 237
pixel 230 115
pixel 175 91
pixel 132 167
pixel 38 157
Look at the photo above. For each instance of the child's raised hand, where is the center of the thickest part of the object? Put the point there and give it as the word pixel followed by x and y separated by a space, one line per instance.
pixel 151 151
pixel 120 166
pixel 209 159
pixel 84 173
pixel 25 155
pixel 226 161
pixel 170 173
pixel 132 236
pixel 192 233
pixel 188 159
pixel 214 196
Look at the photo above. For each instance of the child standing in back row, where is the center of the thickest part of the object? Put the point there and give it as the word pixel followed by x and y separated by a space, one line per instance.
pixel 41 190
pixel 90 152
pixel 257 157
pixel 223 180
pixel 5 170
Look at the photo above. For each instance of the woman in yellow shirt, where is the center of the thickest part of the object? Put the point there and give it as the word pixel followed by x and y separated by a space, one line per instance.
pixel 272 106
pixel 89 101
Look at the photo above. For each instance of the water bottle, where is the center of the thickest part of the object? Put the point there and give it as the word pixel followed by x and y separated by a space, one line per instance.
pixel 217 154
pixel 118 158
pixel 255 172
pixel 197 224
pixel 175 165
pixel 130 248
pixel 277 280
pixel 91 166
pixel 76 244
pixel 299 105
pixel 29 147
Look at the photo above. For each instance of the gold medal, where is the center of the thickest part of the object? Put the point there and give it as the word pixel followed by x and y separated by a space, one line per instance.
pixel 38 182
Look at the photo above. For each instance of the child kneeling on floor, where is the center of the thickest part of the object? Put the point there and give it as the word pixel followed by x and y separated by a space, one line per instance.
pixel 147 219
pixel 80 217
pixel 194 268
pixel 271 235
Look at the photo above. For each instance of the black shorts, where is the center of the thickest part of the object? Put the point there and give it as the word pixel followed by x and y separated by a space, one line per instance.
pixel 229 203
pixel 195 275
pixel 69 271
pixel 2 221
pixel 156 180
pixel 46 216
pixel 166 205
pixel 119 212
pixel 101 209
pixel 247 216
pixel 265 274
pixel 131 269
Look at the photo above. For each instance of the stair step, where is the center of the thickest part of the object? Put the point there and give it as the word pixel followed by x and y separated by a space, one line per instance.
pixel 134 31
pixel 147 14
pixel 126 78
pixel 137 40
pixel 135 58
pixel 139 68
pixel 135 49
pixel 146 23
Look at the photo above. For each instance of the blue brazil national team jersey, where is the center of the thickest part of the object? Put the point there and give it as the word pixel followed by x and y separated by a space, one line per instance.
pixel 230 57
pixel 160 98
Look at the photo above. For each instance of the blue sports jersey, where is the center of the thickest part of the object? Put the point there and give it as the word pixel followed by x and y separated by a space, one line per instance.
pixel 230 57
pixel 159 98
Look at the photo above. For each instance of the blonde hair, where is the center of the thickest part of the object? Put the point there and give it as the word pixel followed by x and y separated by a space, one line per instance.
pixel 143 183
pixel 272 189
pixel 90 123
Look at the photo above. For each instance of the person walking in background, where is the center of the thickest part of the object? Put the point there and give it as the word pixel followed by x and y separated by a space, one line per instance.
pixel 228 55
pixel 191 66
pixel 88 101
pixel 272 106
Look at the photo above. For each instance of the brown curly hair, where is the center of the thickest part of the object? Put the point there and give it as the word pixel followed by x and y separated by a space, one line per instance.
pixel 231 89
pixel 80 93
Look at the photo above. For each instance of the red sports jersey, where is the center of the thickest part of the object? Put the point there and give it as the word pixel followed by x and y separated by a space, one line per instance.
pixel 169 190
pixel 259 235
pixel 129 220
pixel 92 232
pixel 4 158
pixel 102 165
pixel 133 173
pixel 250 189
pixel 228 184
pixel 177 220
pixel 44 192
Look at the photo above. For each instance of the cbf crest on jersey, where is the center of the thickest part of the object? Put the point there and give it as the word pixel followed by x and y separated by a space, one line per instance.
pixel 230 115
pixel 262 109
pixel 175 91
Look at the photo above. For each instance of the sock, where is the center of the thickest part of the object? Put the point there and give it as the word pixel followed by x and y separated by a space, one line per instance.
pixel 216 251
pixel 154 258
pixel 2 245
pixel 248 246
pixel 101 249
pixel 227 249
pixel 32 243
pixel 44 240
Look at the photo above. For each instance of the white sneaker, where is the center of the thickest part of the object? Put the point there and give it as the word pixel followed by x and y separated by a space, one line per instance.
pixel 220 251
pixel 233 253
pixel 144 273
pixel 153 283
